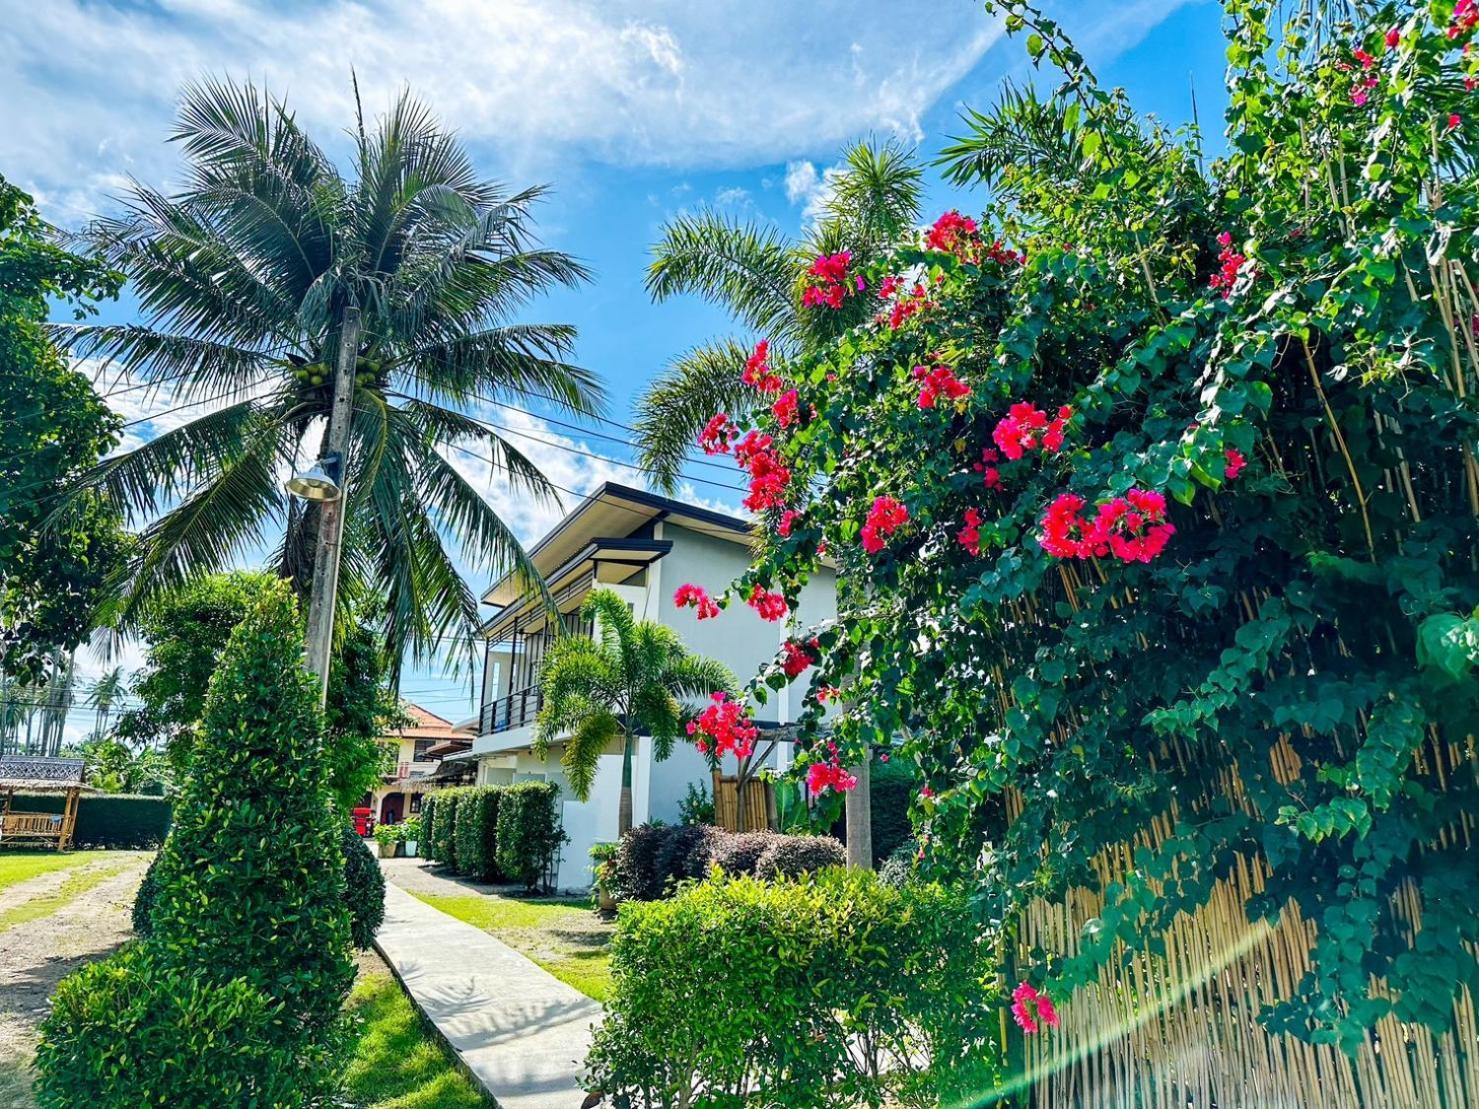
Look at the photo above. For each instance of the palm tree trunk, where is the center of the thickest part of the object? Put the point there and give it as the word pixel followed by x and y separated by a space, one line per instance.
pixel 624 812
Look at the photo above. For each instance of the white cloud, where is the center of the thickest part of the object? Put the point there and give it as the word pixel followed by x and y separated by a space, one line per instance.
pixel 652 83
pixel 810 188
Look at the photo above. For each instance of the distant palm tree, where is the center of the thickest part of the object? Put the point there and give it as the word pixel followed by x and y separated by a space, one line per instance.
pixel 103 695
pixel 755 272
pixel 629 682
pixel 244 279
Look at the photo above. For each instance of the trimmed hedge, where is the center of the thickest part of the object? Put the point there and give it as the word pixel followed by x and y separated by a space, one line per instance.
pixel 445 824
pixel 476 832
pixel 529 831
pixel 116 821
pixel 810 970
pixel 428 827
pixel 654 858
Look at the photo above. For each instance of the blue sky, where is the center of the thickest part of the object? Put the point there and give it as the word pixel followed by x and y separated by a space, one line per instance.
pixel 632 111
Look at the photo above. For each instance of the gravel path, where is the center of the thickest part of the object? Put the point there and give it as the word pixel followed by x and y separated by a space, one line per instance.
pixel 37 954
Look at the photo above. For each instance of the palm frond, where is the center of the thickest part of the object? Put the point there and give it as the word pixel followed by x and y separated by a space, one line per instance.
pixel 679 402
pixel 1021 130
pixel 875 199
pixel 748 269
pixel 583 750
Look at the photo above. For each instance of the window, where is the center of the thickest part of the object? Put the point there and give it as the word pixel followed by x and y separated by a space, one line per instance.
pixel 422 746
pixel 415 802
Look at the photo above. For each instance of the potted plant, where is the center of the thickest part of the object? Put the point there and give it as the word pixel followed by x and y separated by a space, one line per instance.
pixel 388 836
pixel 411 834
pixel 602 855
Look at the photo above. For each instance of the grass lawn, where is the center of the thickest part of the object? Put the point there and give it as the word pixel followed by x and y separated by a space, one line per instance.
pixel 398 1063
pixel 75 886
pixel 20 865
pixel 563 936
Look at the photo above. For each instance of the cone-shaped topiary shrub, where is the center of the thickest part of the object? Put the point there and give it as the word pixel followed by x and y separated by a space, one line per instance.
pixel 251 879
pixel 248 962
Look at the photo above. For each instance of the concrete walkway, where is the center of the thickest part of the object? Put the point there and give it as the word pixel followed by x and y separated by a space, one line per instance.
pixel 520 1030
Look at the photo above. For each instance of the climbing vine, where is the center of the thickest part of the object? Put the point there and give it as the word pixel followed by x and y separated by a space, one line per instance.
pixel 1153 493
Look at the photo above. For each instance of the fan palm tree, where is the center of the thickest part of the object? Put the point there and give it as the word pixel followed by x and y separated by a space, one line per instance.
pixel 244 279
pixel 756 272
pixel 629 681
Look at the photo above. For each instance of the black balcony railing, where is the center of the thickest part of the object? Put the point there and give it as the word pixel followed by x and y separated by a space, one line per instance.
pixel 514 711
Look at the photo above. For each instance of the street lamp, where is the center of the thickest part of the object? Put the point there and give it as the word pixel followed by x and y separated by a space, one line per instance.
pixel 321 481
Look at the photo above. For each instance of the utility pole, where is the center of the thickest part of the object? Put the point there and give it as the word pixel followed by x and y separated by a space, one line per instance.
pixel 325 587
pixel 859 814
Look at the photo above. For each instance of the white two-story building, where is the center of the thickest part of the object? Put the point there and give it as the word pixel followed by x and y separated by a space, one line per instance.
pixel 641 546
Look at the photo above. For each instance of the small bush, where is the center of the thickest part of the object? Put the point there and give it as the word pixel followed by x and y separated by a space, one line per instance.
pixel 529 831
pixel 736 853
pixel 364 889
pixel 477 832
pixel 791 856
pixel 654 858
pixel 899 868
pixel 130 1030
pixel 811 972
pixel 892 787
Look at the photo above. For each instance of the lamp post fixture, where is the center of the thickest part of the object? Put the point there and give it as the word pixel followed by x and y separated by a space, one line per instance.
pixel 323 484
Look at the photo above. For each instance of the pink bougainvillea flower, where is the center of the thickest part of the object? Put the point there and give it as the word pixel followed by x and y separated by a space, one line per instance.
pixel 1394 36
pixel 718 434
pixel 770 606
pixel 725 727
pixel 784 409
pixel 1358 98
pixel 969 536
pixel 1026 427
pixel 689 595
pixel 1366 60
pixel 757 372
pixel 1235 462
pixel 1230 261
pixel 955 234
pixel 885 517
pixel 829 283
pixel 1133 528
pixel 828 775
pixel 926 792
pixel 769 476
pixel 939 381
pixel 1032 1010
pixel 786 523
pixel 1454 120
pixel 828 693
pixel 797 657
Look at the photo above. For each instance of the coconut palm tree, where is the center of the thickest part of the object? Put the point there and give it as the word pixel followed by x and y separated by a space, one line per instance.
pixel 244 278
pixel 756 272
pixel 629 681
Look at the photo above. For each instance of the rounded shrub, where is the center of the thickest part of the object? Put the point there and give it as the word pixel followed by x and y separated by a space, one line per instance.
pixel 900 867
pixel 364 889
pixel 134 1030
pixel 445 825
pixel 791 856
pixel 810 970
pixel 654 858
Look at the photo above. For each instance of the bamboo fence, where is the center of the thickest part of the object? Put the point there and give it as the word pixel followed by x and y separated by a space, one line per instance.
pixel 1181 1030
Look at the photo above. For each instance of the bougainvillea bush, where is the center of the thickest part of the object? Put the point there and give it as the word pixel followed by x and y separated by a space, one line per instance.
pixel 1159 476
